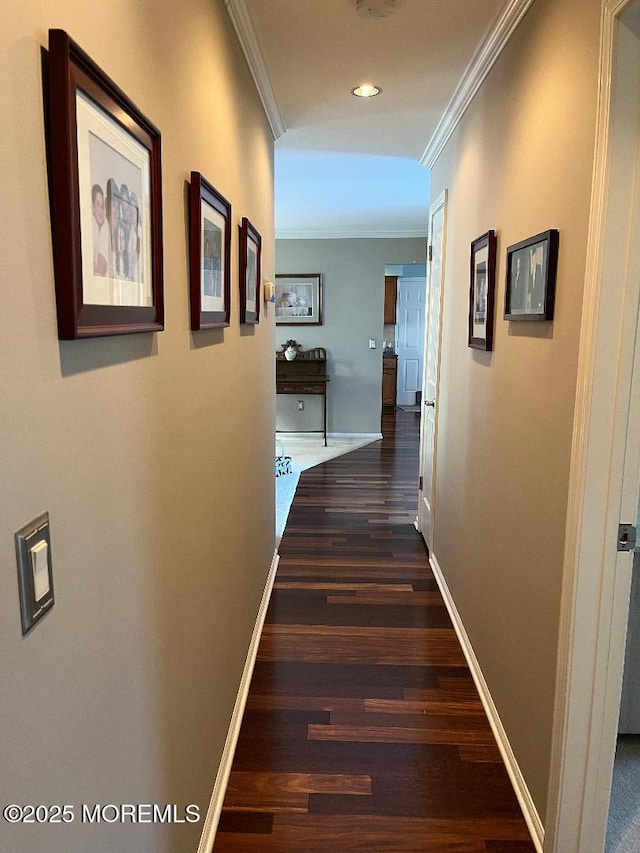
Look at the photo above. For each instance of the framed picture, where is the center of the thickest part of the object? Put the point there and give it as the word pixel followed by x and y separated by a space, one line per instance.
pixel 209 255
pixel 531 277
pixel 299 300
pixel 250 273
pixel 482 287
pixel 106 200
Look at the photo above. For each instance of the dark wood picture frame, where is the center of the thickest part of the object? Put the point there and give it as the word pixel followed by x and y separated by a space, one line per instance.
pixel 298 299
pixel 531 277
pixel 111 160
pixel 482 288
pixel 209 256
pixel 250 273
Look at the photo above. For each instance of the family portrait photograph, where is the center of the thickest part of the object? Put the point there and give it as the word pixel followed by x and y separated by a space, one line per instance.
pixel 114 192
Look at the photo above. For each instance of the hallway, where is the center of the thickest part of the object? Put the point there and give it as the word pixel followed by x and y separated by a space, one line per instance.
pixel 363 729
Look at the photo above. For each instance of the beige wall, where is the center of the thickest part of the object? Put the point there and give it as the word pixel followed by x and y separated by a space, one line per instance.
pixel 520 162
pixel 152 453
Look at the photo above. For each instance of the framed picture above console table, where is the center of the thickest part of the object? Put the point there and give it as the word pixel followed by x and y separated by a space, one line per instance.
pixel 299 299
pixel 301 372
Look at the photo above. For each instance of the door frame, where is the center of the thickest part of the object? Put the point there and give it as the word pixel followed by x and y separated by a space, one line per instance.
pixel 442 201
pixel 596 578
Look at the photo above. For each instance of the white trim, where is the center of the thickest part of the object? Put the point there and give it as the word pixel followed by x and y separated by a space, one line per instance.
pixel 285 234
pixel 371 436
pixel 481 64
pixel 243 25
pixel 593 607
pixel 217 797
pixel 527 805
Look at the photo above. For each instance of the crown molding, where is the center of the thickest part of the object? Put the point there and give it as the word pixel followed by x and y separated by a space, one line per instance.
pixel 349 235
pixel 243 25
pixel 481 64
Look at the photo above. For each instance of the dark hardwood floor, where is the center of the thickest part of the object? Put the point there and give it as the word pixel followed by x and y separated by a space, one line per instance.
pixel 363 729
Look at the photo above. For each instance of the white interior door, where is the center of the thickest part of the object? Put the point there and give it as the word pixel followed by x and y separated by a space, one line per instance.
pixel 435 268
pixel 410 338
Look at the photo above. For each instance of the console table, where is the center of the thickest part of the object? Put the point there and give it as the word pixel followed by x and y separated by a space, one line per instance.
pixel 304 374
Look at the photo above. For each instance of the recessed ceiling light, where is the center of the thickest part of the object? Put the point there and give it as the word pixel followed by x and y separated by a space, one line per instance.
pixel 366 90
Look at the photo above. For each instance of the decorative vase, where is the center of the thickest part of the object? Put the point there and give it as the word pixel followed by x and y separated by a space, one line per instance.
pixel 290 353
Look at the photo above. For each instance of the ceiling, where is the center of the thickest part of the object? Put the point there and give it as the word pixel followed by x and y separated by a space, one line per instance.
pixel 348 166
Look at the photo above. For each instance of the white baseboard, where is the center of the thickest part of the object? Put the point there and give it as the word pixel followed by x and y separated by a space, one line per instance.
pixel 371 436
pixel 520 788
pixel 217 797
pixel 360 436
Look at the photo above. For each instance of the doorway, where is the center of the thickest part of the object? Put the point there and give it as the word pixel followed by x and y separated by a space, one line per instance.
pixel 410 340
pixel 403 336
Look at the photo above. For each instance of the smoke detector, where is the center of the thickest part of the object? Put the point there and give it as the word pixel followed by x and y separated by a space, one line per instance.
pixel 374 9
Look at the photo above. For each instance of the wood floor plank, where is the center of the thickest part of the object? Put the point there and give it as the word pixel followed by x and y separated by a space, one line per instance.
pixel 389 841
pixel 426 706
pixel 372 834
pixel 275 793
pixel 308 783
pixel 510 829
pixel 460 689
pixel 346 649
pixel 385 634
pixel 356 644
pixel 470 723
pixel 346 587
pixel 480 752
pixel 246 822
pixel 363 730
pixel 299 703
pixel 397 734
pixel 388 597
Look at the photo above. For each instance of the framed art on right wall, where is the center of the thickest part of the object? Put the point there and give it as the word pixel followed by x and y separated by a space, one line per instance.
pixel 531 277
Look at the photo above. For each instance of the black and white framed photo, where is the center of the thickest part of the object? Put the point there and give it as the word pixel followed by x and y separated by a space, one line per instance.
pixel 106 199
pixel 250 272
pixel 209 255
pixel 482 286
pixel 531 277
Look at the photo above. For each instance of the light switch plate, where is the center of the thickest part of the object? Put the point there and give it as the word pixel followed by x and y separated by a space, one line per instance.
pixel 35 575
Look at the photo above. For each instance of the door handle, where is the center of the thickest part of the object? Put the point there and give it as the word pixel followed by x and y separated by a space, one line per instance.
pixel 430 403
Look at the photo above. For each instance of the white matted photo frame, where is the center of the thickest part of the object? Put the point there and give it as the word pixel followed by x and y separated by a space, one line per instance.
pixel 482 286
pixel 209 255
pixel 106 200
pixel 298 299
pixel 250 273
